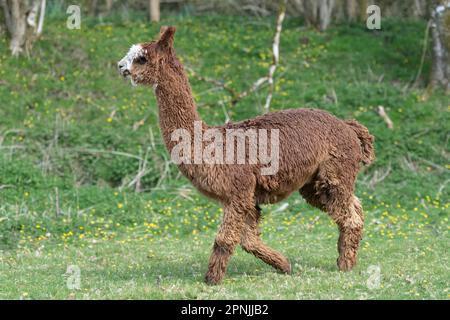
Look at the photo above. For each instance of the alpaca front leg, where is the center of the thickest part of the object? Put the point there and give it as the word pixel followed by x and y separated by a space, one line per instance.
pixel 252 243
pixel 226 241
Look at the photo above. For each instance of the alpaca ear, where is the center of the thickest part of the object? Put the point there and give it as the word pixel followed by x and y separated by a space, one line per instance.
pixel 166 35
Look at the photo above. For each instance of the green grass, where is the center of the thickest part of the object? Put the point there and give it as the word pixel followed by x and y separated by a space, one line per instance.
pixel 138 262
pixel 70 145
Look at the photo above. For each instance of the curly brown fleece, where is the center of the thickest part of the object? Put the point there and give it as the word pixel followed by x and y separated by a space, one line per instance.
pixel 320 157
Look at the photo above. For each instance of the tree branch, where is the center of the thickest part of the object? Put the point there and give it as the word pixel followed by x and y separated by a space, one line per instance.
pixel 275 53
pixel 382 113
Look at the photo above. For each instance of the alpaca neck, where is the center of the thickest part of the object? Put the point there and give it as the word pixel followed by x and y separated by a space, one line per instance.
pixel 176 104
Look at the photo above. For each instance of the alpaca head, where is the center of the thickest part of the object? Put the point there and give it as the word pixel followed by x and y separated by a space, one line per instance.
pixel 143 62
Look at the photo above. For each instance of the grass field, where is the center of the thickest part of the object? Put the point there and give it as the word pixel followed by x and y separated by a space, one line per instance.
pixel 73 136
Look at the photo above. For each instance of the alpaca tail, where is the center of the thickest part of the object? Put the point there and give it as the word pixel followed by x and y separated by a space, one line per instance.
pixel 366 139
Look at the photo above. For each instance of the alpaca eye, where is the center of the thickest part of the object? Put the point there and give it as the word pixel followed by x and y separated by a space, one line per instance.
pixel 141 60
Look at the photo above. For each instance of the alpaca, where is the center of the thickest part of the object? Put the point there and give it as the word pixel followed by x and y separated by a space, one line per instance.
pixel 319 156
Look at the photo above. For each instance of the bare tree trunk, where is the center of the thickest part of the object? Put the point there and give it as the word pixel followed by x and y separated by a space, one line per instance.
pixel 363 4
pixel 351 11
pixel 18 29
pixel 20 19
pixel 7 14
pixel 295 7
pixel 318 13
pixel 154 10
pixel 325 13
pixel 109 4
pixel 419 9
pixel 310 10
pixel 440 34
pixel 92 10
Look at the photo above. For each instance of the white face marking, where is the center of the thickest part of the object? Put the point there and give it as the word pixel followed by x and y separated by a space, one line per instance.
pixel 135 51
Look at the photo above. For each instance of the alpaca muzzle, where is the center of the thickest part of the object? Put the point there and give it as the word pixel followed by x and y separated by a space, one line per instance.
pixel 126 73
pixel 125 64
pixel 123 70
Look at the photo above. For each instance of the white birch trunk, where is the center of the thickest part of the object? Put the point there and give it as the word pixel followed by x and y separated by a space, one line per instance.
pixel 276 55
pixel 41 18
pixel 440 34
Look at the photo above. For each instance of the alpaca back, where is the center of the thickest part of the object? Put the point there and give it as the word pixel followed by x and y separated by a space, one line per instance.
pixel 307 138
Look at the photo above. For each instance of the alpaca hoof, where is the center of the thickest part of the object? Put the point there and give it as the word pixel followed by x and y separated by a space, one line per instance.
pixel 345 264
pixel 212 280
pixel 286 269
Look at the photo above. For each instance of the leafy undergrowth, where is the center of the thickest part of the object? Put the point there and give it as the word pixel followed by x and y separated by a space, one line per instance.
pixel 72 135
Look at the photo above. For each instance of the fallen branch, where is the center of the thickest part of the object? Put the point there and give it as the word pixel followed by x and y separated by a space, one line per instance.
pixel 443 185
pixel 235 96
pixel 184 192
pixel 378 176
pixel 12 147
pixel 431 164
pixel 382 113
pixel 57 206
pixel 96 151
pixel 409 163
pixel 142 171
pixel 164 174
pixel 215 82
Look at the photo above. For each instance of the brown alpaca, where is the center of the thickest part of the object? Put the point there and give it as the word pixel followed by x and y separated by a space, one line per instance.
pixel 319 156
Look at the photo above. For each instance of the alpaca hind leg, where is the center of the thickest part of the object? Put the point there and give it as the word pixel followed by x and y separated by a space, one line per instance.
pixel 332 191
pixel 346 211
pixel 351 222
pixel 227 239
pixel 252 243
